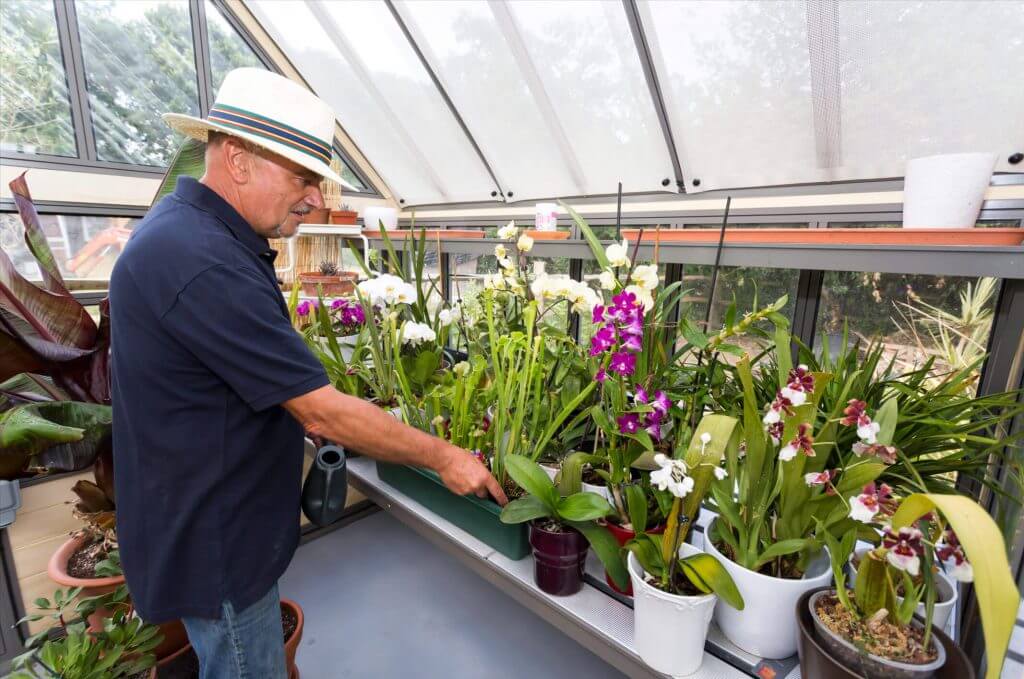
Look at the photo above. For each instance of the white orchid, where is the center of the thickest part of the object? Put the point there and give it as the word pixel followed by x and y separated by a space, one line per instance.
pixel 671 476
pixel 494 281
pixel 618 253
pixel 387 289
pixel 500 252
pixel 645 276
pixel 508 232
pixel 797 398
pixel 445 317
pixel 414 333
pixel 525 243
pixel 960 571
pixel 788 452
pixel 868 433
pixel 720 473
pixel 607 280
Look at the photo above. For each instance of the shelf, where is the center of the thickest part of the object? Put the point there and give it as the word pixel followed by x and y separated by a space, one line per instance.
pixel 597 621
pixel 999 261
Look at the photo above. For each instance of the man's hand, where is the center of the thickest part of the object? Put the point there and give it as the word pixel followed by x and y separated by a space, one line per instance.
pixel 464 474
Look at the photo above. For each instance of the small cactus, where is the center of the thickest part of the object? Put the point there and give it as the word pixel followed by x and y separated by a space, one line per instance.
pixel 328 268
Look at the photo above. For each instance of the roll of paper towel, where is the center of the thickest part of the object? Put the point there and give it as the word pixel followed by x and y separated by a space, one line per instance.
pixel 946 190
pixel 374 214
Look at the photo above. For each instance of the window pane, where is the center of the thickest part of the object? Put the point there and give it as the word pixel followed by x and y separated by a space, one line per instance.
pixel 917 317
pixel 139 63
pixel 228 50
pixel 85 247
pixel 740 284
pixel 35 114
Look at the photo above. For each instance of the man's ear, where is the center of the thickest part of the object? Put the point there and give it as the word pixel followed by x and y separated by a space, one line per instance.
pixel 238 160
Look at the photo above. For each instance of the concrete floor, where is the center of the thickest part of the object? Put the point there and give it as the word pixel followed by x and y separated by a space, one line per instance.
pixel 381 602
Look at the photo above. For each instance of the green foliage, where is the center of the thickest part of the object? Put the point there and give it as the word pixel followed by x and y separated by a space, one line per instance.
pixel 578 511
pixel 70 433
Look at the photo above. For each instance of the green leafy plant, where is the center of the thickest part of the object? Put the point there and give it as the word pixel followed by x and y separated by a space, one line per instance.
pixel 687 479
pixel 578 511
pixel 123 648
pixel 328 268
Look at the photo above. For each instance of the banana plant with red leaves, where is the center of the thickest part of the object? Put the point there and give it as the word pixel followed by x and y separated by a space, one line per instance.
pixel 52 350
pixel 44 330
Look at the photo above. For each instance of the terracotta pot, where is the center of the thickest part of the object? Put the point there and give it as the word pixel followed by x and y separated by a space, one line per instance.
pixel 175 639
pixel 57 570
pixel 547 235
pixel 817 661
pixel 431 234
pixel 558 560
pixel 291 644
pixel 965 236
pixel 343 217
pixel 164 662
pixel 622 536
pixel 321 216
pixel 333 286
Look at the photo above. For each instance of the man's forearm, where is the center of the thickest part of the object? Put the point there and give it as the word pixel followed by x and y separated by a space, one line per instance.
pixel 354 423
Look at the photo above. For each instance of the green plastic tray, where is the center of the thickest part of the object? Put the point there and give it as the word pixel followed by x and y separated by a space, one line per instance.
pixel 477 517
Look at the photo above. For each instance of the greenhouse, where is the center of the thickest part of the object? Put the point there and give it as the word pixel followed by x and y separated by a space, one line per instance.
pixel 511 338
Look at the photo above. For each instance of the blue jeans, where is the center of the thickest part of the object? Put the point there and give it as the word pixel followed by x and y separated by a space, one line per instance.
pixel 246 644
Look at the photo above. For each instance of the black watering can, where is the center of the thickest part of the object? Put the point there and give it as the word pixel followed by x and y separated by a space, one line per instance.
pixel 326 486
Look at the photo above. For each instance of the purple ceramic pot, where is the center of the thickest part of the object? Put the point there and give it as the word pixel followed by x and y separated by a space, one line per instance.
pixel 558 559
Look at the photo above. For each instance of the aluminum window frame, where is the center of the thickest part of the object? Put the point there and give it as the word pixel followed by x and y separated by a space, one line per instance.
pixel 86 158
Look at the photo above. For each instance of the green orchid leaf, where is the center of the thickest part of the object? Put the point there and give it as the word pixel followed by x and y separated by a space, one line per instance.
pixel 983 543
pixel 583 507
pixel 607 550
pixel 782 548
pixel 524 509
pixel 708 575
pixel 531 478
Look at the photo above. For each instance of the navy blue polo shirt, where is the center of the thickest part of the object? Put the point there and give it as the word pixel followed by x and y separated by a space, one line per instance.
pixel 208 465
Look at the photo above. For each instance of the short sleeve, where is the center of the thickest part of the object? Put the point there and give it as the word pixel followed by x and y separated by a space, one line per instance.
pixel 232 322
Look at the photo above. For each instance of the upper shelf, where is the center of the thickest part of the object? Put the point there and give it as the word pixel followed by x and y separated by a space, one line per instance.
pixel 1002 261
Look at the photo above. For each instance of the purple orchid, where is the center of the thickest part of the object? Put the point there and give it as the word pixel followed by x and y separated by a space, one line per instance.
pixel 600 375
pixel 598 314
pixel 305 307
pixel 628 423
pixel 633 344
pixel 661 402
pixel 623 363
pixel 641 394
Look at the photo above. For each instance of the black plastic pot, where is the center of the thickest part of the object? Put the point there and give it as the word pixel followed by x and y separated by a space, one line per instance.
pixel 326 487
pixel 817 659
pixel 558 559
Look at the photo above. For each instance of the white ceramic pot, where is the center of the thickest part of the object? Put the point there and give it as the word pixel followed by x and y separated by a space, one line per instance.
pixel 946 593
pixel 767 625
pixel 946 190
pixel 668 629
pixel 550 469
pixel 603 491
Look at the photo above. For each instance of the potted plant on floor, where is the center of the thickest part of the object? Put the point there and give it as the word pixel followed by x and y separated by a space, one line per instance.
pixel 873 632
pixel 676 585
pixel 561 529
pixel 122 646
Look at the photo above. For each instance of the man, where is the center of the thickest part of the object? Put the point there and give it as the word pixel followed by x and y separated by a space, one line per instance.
pixel 212 388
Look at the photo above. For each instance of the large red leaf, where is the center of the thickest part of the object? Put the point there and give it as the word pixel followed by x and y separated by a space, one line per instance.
pixel 35 239
pixel 54 317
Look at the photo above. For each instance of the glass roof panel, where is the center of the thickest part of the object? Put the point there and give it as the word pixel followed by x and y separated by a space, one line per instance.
pixel 355 57
pixel 588 63
pixel 773 93
pixel 464 44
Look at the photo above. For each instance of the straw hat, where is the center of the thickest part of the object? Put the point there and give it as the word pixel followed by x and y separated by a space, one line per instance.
pixel 273 112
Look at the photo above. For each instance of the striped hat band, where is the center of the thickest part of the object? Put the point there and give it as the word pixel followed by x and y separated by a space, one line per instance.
pixel 253 123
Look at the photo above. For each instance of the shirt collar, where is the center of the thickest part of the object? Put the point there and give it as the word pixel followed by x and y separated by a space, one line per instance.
pixel 206 199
